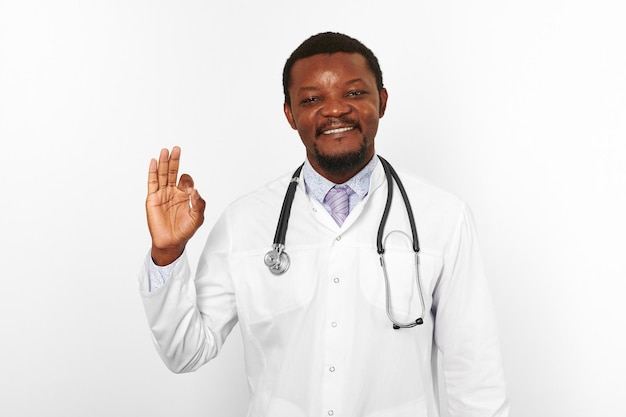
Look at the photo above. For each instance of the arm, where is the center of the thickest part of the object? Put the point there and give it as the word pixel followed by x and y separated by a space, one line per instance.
pixel 466 330
pixel 188 328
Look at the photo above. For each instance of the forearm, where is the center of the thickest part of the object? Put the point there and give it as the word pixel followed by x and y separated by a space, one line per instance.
pixel 181 337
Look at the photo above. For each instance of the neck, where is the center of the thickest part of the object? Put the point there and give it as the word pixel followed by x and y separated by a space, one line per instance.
pixel 339 170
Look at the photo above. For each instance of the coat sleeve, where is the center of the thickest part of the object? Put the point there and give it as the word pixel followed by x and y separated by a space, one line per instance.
pixel 190 319
pixel 466 330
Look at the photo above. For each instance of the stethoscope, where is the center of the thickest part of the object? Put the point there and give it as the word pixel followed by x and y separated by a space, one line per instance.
pixel 278 261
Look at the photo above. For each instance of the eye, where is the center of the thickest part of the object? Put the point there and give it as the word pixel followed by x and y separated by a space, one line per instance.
pixel 309 100
pixel 355 93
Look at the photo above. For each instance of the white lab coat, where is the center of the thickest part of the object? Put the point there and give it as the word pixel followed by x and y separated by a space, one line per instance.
pixel 317 339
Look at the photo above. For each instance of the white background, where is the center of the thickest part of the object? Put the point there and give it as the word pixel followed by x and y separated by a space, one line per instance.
pixel 517 107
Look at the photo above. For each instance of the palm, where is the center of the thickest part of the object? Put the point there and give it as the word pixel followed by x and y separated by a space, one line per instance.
pixel 169 217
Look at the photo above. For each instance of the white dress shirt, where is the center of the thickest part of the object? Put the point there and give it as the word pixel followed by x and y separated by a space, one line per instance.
pixel 317 340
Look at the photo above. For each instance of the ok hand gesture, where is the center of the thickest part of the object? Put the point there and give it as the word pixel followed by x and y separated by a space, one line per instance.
pixel 174 212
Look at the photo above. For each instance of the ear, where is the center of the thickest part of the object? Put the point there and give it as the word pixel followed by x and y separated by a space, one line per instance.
pixel 383 102
pixel 289 116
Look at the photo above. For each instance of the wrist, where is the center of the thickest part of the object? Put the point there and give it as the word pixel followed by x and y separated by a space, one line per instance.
pixel 165 256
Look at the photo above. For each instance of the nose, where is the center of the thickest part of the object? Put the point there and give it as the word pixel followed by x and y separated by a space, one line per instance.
pixel 335 107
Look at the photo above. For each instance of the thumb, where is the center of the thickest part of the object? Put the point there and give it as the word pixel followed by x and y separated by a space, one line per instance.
pixel 185 183
pixel 197 204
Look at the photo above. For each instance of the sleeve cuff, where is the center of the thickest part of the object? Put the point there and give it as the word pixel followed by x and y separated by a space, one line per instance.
pixel 159 274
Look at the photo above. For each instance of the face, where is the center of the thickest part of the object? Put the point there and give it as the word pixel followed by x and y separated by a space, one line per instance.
pixel 335 107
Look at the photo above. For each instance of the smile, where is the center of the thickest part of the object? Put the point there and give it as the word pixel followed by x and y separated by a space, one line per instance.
pixel 339 130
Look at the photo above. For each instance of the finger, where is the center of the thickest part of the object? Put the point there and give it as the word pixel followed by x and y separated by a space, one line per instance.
pixel 185 183
pixel 153 182
pixel 162 168
pixel 172 170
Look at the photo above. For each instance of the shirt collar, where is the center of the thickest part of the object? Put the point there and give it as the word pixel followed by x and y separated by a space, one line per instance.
pixel 317 186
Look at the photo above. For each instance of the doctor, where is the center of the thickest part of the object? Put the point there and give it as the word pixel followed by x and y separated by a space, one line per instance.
pixel 317 338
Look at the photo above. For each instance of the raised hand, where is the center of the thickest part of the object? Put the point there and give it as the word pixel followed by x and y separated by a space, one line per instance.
pixel 174 211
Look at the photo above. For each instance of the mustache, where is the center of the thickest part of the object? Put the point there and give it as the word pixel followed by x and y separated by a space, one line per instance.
pixel 337 122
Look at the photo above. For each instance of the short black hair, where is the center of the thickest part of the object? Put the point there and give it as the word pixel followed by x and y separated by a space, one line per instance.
pixel 330 43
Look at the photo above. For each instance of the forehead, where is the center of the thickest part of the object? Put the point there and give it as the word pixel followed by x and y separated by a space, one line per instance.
pixel 328 68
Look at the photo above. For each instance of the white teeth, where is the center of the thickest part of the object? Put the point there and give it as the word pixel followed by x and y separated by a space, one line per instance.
pixel 340 130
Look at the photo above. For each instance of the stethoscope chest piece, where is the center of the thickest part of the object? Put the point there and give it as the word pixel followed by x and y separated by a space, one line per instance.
pixel 277 261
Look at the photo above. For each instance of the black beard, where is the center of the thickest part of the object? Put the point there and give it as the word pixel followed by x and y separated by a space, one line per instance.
pixel 343 163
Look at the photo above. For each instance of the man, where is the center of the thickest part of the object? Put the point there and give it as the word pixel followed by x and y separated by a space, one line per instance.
pixel 317 338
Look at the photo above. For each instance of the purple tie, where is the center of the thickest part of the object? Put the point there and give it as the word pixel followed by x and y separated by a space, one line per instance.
pixel 338 199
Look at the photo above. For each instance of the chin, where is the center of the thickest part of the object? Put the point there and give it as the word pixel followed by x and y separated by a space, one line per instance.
pixel 342 162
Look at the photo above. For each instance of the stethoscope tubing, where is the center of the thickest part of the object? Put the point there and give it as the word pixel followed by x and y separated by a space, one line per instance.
pixel 392 175
pixel 278 261
pixel 283 219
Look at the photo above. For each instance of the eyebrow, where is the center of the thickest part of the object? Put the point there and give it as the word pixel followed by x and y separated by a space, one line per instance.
pixel 354 80
pixel 347 83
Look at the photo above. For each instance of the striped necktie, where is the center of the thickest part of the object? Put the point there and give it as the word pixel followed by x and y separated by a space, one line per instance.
pixel 338 199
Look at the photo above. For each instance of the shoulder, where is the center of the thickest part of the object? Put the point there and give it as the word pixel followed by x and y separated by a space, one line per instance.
pixel 429 195
pixel 265 198
pixel 249 222
pixel 440 215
